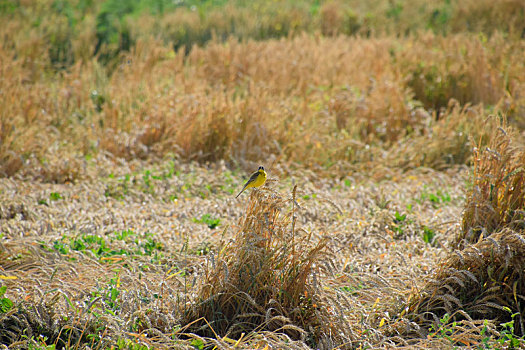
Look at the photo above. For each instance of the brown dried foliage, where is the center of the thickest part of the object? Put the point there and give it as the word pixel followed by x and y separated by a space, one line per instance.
pixel 262 280
pixel 307 99
pixel 446 140
pixel 497 197
pixel 482 282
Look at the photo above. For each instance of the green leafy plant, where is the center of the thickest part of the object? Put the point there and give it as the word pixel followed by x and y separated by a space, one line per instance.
pixel 146 178
pixel 444 329
pixel 5 303
pixel 428 234
pixel 128 344
pixel 149 245
pixel 205 191
pixel 352 290
pixel 197 344
pixel 399 223
pixel 209 220
pixel 96 244
pixel 147 185
pixel 38 343
pixel 485 338
pixel 437 198
pixel 399 218
pixel 61 247
pixel 108 295
pixel 137 245
pixel 507 338
pixel 54 196
pixel 123 235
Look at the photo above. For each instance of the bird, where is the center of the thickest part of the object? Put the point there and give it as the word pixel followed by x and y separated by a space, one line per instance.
pixel 257 179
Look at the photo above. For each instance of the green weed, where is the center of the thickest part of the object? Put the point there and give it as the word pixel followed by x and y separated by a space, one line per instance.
pixel 128 344
pixel 352 290
pixel 146 179
pixel 209 220
pixel 399 218
pixel 437 198
pixel 5 303
pixel 197 344
pixel 55 196
pixel 507 338
pixel 39 343
pixel 485 339
pixel 118 187
pixel 108 295
pixel 399 224
pixel 444 329
pixel 428 235
pixel 96 244
pixel 123 235
pixel 308 196
pixel 61 247
pixel 100 247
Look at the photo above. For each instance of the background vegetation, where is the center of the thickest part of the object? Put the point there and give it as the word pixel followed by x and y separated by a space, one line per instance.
pixel 126 126
pixel 113 76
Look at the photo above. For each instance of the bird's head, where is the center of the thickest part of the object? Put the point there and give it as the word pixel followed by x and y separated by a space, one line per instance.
pixel 261 169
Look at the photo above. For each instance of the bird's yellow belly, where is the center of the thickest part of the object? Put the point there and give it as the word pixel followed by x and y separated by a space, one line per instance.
pixel 259 181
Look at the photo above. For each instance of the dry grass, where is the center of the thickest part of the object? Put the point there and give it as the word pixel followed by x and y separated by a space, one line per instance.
pixel 60 33
pixel 446 140
pixel 264 280
pixel 159 289
pixel 477 71
pixel 306 100
pixel 259 284
pixel 489 17
pixel 480 288
pixel 476 291
pixel 497 197
pixel 115 171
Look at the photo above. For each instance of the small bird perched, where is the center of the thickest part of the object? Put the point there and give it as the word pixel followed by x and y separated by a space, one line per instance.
pixel 257 179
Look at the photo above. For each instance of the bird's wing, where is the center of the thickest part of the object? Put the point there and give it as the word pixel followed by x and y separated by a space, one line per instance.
pixel 250 180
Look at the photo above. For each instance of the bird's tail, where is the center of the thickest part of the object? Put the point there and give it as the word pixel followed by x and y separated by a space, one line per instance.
pixel 241 192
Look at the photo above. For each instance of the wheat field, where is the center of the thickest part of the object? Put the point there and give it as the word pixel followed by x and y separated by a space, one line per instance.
pixel 392 133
